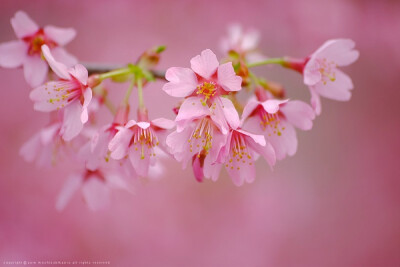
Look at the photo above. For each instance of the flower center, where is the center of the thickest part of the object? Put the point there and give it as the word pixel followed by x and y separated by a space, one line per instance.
pixel 327 70
pixel 63 92
pixel 239 153
pixel 270 122
pixel 36 41
pixel 145 140
pixel 201 138
pixel 208 90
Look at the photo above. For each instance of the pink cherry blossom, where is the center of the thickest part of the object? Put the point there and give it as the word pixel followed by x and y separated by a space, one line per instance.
pixel 322 75
pixel 138 140
pixel 96 186
pixel 27 52
pixel 43 148
pixel 199 141
pixel 72 93
pixel 239 153
pixel 203 85
pixel 276 120
pixel 242 42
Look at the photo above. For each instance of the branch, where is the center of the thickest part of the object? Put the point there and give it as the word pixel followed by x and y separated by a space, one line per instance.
pixel 99 68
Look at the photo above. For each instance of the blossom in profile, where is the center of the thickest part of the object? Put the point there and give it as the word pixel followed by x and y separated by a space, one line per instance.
pixel 138 141
pixel 26 51
pixel 276 120
pixel 321 72
pixel 203 84
pixel 241 151
pixel 72 93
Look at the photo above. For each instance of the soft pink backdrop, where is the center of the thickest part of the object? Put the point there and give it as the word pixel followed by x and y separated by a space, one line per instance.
pixel 336 203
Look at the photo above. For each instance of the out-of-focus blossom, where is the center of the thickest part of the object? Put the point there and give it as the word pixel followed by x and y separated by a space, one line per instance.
pixel 240 152
pixel 138 140
pixel 71 93
pixel 45 146
pixel 27 51
pixel 276 120
pixel 321 72
pixel 244 43
pixel 203 85
pixel 96 187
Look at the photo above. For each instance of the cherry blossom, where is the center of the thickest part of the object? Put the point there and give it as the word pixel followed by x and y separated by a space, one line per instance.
pixel 27 51
pixel 276 120
pixel 203 85
pixel 138 140
pixel 72 93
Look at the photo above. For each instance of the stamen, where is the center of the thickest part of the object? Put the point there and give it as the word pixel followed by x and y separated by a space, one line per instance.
pixel 208 90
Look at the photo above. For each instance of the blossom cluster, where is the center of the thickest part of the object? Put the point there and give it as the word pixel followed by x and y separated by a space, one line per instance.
pixel 213 130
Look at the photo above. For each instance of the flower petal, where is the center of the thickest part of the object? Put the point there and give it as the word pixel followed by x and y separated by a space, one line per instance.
pixel 72 124
pixel 69 188
pixel 191 109
pixel 35 70
pixel 61 55
pixel 182 82
pixel 12 54
pixel 119 145
pixel 284 144
pixel 139 156
pixel 61 36
pixel 205 64
pixel 311 73
pixel 266 150
pixel 96 194
pixel 225 110
pixel 163 123
pixel 23 25
pixel 228 79
pixel 80 73
pixel 272 105
pixel 337 90
pixel 87 96
pixel 341 51
pixel 31 148
pixel 299 114
pixel 249 108
pixel 60 69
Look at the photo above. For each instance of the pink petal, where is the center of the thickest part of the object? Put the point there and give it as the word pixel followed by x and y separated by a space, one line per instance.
pixel 116 180
pixel 72 124
pixel 315 101
pixel 23 25
pixel 286 143
pixel 96 194
pixel 341 51
pixel 143 124
pixel 258 139
pixel 241 172
pixel 61 55
pixel 311 73
pixel 140 159
pixel 205 64
pixel 225 149
pixel 250 40
pixel 197 168
pixel 299 114
pixel 190 109
pixel 48 134
pixel 272 106
pixel 119 145
pixel 130 124
pixel 266 150
pixel 177 143
pixel 31 148
pixel 249 108
pixel 228 79
pixel 61 36
pixel 163 123
pixel 211 170
pixel 70 187
pixel 46 96
pixel 35 70
pixel 12 54
pixel 182 82
pixel 87 96
pixel 60 69
pixel 229 112
pixel 80 73
pixel 337 90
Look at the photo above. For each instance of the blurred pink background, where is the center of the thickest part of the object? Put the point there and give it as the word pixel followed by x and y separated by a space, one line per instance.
pixel 335 203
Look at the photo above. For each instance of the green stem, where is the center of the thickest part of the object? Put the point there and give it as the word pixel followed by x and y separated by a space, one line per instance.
pixel 128 92
pixel 140 93
pixel 279 61
pixel 113 73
